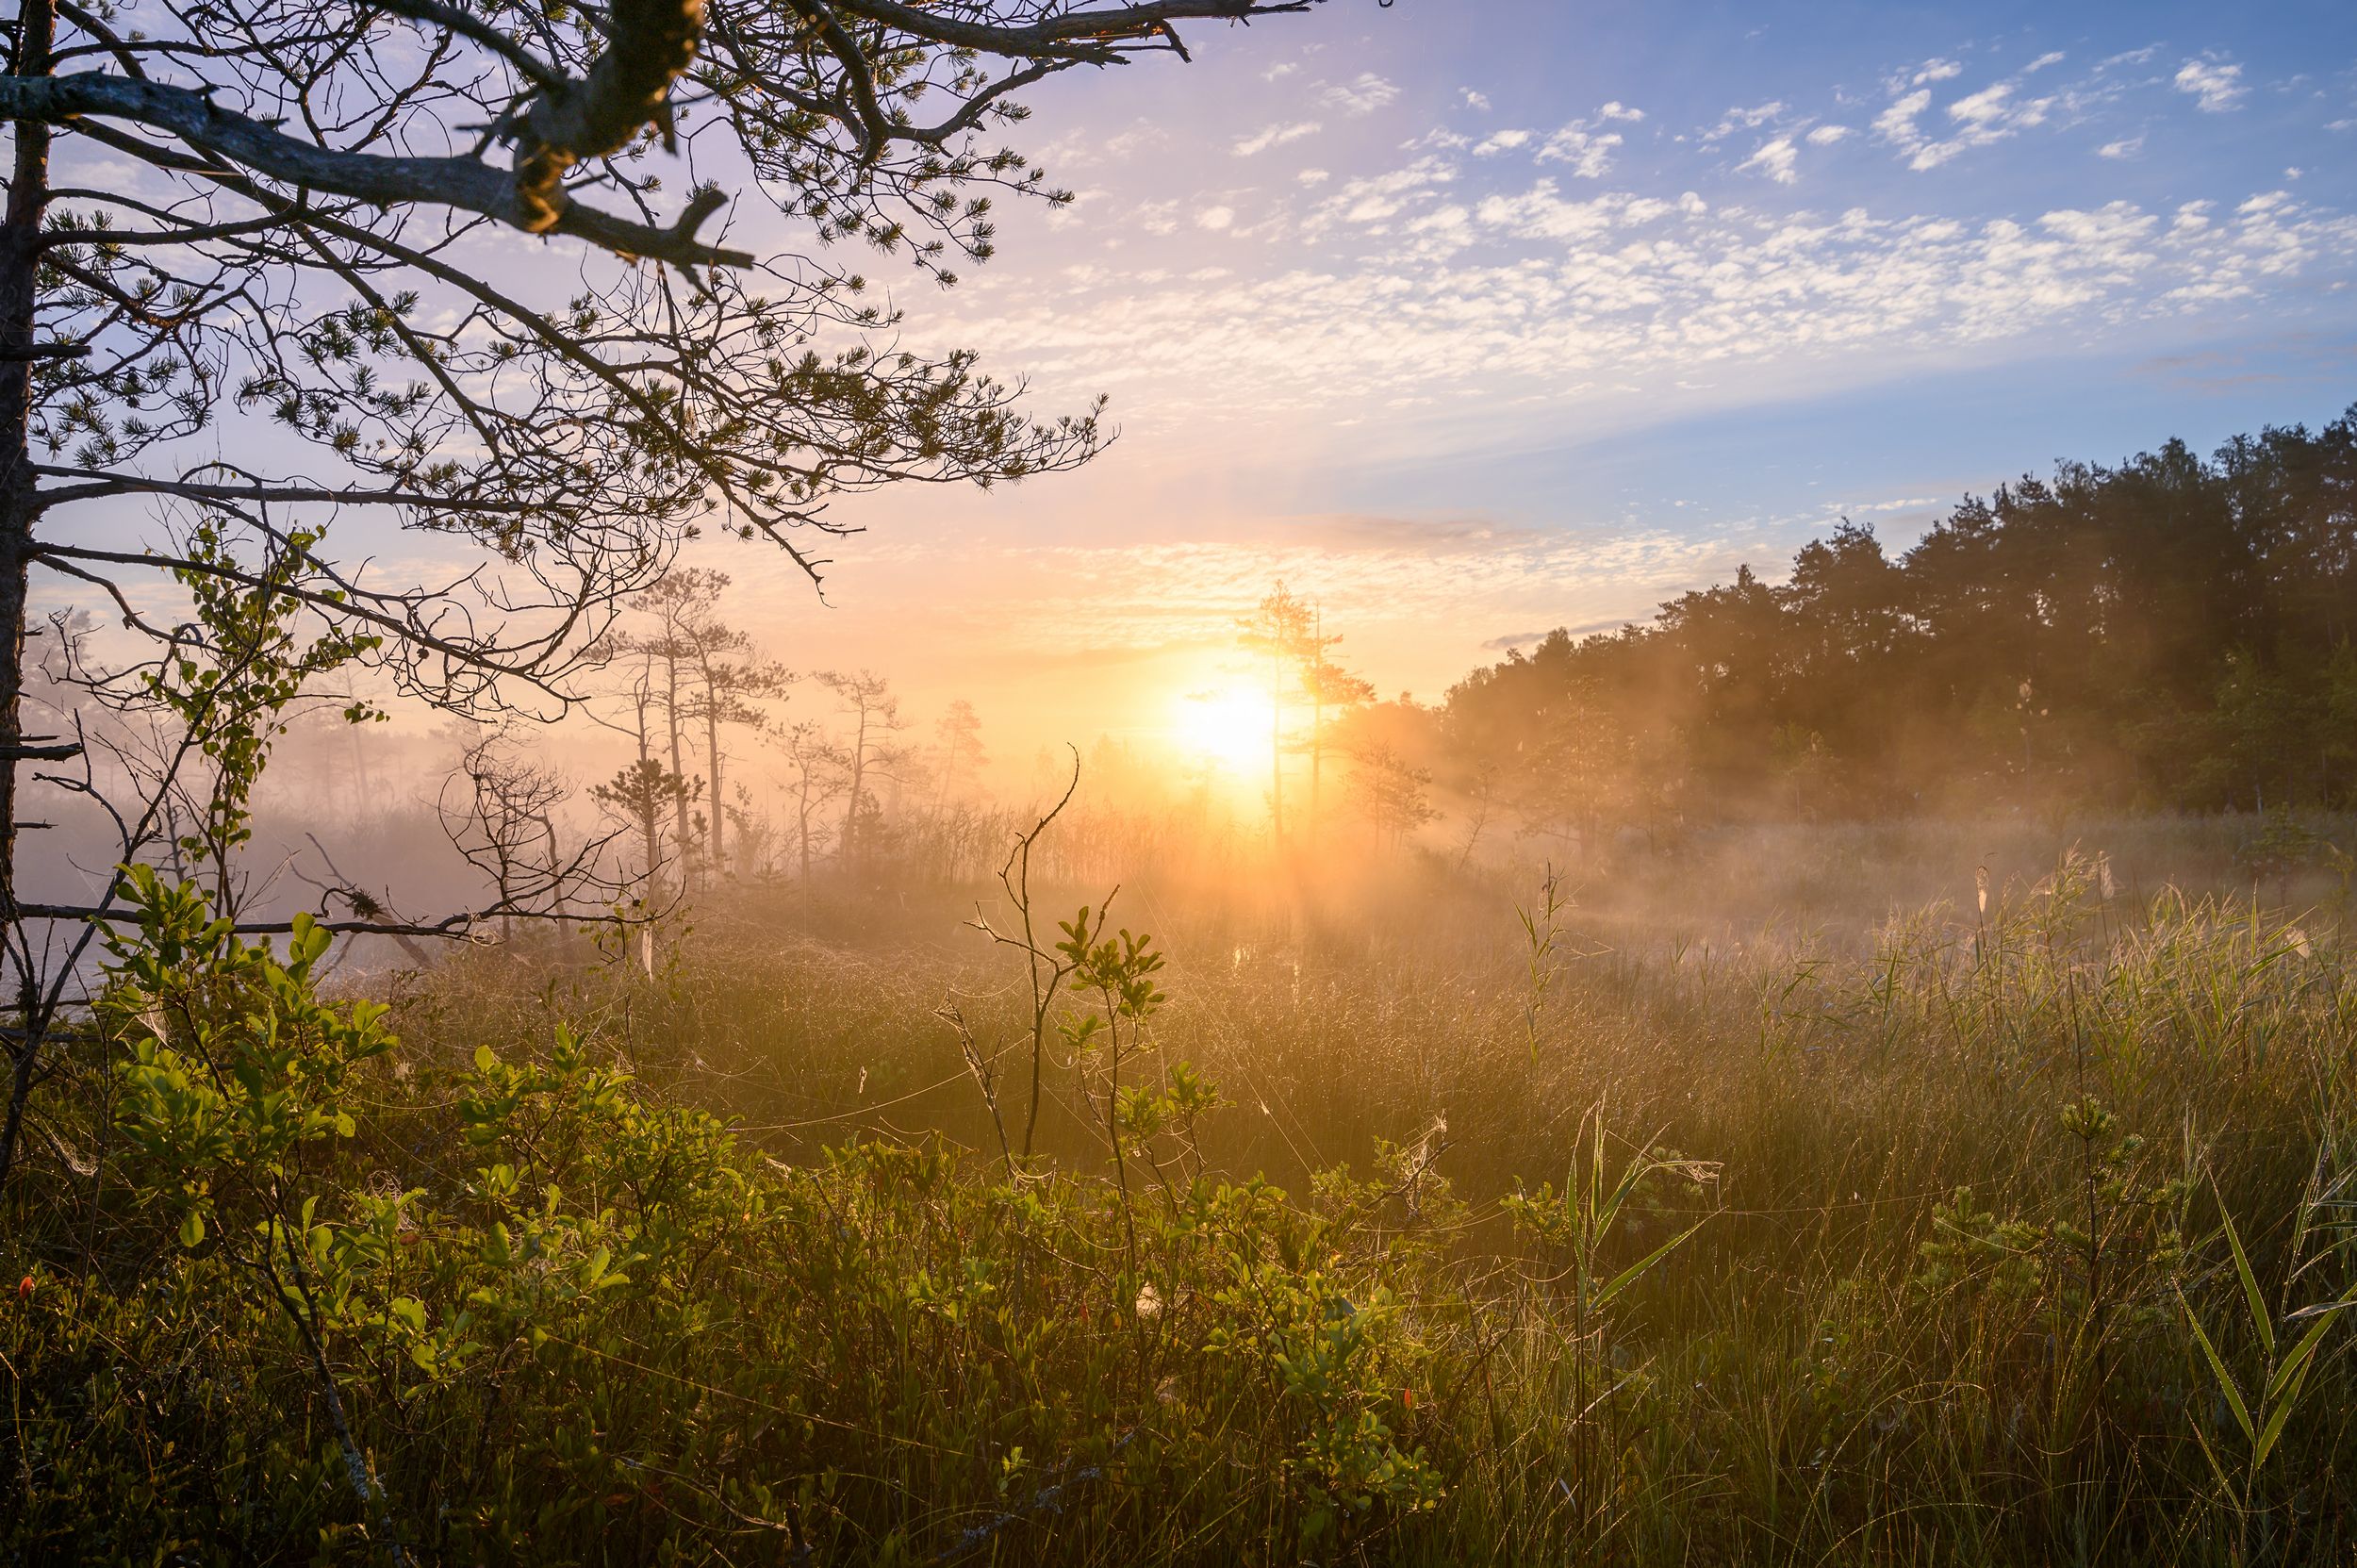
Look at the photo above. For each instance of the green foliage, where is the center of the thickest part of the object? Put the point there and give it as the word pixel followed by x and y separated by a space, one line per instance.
pixel 2265 1405
pixel 502 1287
pixel 229 688
pixel 2169 629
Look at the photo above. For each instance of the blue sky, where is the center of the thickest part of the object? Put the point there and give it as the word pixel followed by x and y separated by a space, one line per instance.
pixel 1475 316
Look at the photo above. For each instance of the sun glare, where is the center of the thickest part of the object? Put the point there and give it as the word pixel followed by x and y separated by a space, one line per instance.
pixel 1229 725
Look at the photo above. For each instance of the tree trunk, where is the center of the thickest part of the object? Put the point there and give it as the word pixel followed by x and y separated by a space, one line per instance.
pixel 712 745
pixel 845 848
pixel 649 809
pixel 802 827
pixel 678 759
pixel 19 509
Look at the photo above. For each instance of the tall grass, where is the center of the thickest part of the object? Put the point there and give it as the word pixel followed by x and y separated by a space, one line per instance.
pixel 1950 1235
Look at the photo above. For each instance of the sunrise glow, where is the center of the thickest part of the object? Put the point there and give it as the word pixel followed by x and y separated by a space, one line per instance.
pixel 1228 725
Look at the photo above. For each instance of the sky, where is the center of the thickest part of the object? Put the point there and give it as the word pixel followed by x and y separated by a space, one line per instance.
pixel 1470 319
pixel 1473 319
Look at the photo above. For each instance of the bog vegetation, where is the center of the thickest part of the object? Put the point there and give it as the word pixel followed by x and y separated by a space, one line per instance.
pixel 1609 1115
pixel 1458 1210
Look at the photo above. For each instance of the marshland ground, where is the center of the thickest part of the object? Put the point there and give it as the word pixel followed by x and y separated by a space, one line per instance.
pixel 1766 1199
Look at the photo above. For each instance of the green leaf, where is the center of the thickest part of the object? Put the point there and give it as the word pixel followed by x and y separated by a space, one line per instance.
pixel 1628 1275
pixel 2260 1317
pixel 2303 1351
pixel 192 1229
pixel 2225 1380
pixel 2281 1412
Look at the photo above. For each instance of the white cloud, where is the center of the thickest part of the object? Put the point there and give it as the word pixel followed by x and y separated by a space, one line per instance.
pixel 1376 198
pixel 1215 218
pixel 1425 290
pixel 1991 114
pixel 1277 135
pixel 2052 58
pixel 1937 70
pixel 1475 100
pixel 1364 96
pixel 1500 141
pixel 1825 136
pixel 2216 88
pixel 1984 107
pixel 1541 213
pixel 1743 120
pixel 2126 147
pixel 1442 231
pixel 1618 110
pixel 1897 123
pixel 1775 159
pixel 1279 71
pixel 1588 153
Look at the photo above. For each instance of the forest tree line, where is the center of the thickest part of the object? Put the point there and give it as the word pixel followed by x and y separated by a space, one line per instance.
pixel 2172 632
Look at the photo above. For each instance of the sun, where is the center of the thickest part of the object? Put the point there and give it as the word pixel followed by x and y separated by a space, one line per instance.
pixel 1229 725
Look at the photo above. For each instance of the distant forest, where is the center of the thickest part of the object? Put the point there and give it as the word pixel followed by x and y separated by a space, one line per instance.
pixel 2171 631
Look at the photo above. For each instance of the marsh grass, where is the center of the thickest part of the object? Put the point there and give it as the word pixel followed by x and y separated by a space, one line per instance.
pixel 1938 1234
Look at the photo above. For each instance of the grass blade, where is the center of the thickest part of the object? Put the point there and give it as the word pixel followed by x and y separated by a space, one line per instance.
pixel 2225 1378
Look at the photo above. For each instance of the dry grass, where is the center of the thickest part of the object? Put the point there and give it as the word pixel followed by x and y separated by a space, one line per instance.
pixel 1803 1381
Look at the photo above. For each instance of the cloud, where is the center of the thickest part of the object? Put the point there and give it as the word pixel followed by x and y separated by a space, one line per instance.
pixel 1277 135
pixel 1542 213
pixel 1424 294
pixel 1984 107
pixel 1215 218
pixel 1937 70
pixel 1500 141
pixel 1374 198
pixel 1364 531
pixel 2126 147
pixel 2054 56
pixel 1474 100
pixel 1364 96
pixel 1743 120
pixel 2216 87
pixel 1825 136
pixel 1507 641
pixel 1588 153
pixel 1618 110
pixel 1314 176
pixel 2314 359
pixel 1897 123
pixel 1775 159
pixel 1978 119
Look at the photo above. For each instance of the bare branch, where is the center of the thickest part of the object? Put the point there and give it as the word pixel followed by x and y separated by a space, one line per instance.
pixel 519 197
